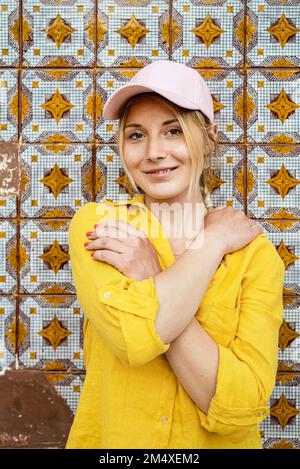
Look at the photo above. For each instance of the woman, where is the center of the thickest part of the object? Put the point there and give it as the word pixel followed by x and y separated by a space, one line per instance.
pixel 180 331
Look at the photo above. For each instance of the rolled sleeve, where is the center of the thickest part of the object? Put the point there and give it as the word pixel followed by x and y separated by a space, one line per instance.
pixel 229 416
pixel 247 368
pixel 135 304
pixel 122 310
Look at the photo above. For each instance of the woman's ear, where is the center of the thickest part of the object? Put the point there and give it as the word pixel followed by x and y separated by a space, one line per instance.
pixel 214 130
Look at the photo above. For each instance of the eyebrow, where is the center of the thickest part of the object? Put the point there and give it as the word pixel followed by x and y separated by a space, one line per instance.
pixel 139 125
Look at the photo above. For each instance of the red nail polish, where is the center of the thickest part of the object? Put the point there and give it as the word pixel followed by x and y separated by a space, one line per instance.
pixel 92 254
pixel 86 244
pixel 88 233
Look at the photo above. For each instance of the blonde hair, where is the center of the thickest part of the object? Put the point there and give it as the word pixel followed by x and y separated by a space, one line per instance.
pixel 200 160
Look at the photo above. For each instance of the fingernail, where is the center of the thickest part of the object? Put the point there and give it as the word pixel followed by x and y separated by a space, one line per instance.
pixel 86 244
pixel 95 226
pixel 92 254
pixel 88 233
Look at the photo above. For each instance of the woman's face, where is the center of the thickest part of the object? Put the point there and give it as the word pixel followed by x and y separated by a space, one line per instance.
pixel 151 144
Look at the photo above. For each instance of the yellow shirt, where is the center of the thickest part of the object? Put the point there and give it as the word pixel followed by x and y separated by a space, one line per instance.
pixel 131 398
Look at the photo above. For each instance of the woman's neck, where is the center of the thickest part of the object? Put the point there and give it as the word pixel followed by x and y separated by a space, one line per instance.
pixel 181 220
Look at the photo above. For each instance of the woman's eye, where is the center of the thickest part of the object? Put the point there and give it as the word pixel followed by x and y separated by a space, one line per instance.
pixel 177 130
pixel 137 133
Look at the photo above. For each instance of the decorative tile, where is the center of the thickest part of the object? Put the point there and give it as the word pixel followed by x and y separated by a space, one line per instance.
pixel 110 177
pixel 127 33
pixel 9 105
pixel 59 33
pixel 209 33
pixel 8 207
pixel 281 443
pixel 273 178
pixel 273 33
pixel 69 386
pixel 9 34
pixel 8 254
pixel 57 106
pixel 226 177
pixel 273 106
pixel 44 254
pixel 52 328
pixel 286 379
pixel 283 421
pixel 7 331
pixel 106 83
pixel 289 337
pixel 57 179
pixel 225 86
pixel 288 247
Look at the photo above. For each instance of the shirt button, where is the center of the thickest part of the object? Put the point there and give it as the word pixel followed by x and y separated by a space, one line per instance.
pixel 107 294
pixel 164 419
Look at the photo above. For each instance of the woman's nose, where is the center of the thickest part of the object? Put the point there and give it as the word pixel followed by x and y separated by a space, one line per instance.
pixel 155 149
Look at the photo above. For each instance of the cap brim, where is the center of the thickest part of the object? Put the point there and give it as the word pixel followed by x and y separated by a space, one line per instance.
pixel 119 97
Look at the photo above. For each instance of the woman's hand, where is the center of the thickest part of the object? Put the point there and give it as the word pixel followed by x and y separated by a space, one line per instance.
pixel 124 247
pixel 230 227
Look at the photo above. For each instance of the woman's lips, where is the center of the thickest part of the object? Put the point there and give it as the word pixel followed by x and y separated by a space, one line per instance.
pixel 162 175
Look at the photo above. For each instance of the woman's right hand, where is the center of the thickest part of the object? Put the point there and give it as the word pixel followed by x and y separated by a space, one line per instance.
pixel 230 227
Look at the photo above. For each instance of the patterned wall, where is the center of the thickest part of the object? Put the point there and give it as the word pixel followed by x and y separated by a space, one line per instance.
pixel 59 61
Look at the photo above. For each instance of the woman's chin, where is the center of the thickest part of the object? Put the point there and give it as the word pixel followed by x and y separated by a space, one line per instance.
pixel 161 194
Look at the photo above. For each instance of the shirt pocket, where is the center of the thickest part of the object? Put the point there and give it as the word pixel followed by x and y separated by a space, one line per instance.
pixel 221 322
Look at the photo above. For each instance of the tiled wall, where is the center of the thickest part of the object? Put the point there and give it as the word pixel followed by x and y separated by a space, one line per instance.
pixel 59 61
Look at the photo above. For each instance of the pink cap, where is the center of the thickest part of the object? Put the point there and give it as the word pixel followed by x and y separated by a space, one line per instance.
pixel 177 82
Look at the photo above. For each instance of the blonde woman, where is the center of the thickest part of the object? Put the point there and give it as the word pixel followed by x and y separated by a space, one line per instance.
pixel 182 301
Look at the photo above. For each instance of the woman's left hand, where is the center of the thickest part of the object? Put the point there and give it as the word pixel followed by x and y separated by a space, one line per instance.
pixel 121 245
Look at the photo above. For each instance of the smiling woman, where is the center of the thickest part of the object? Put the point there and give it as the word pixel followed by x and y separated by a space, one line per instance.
pixel 187 146
pixel 179 352
pixel 167 163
